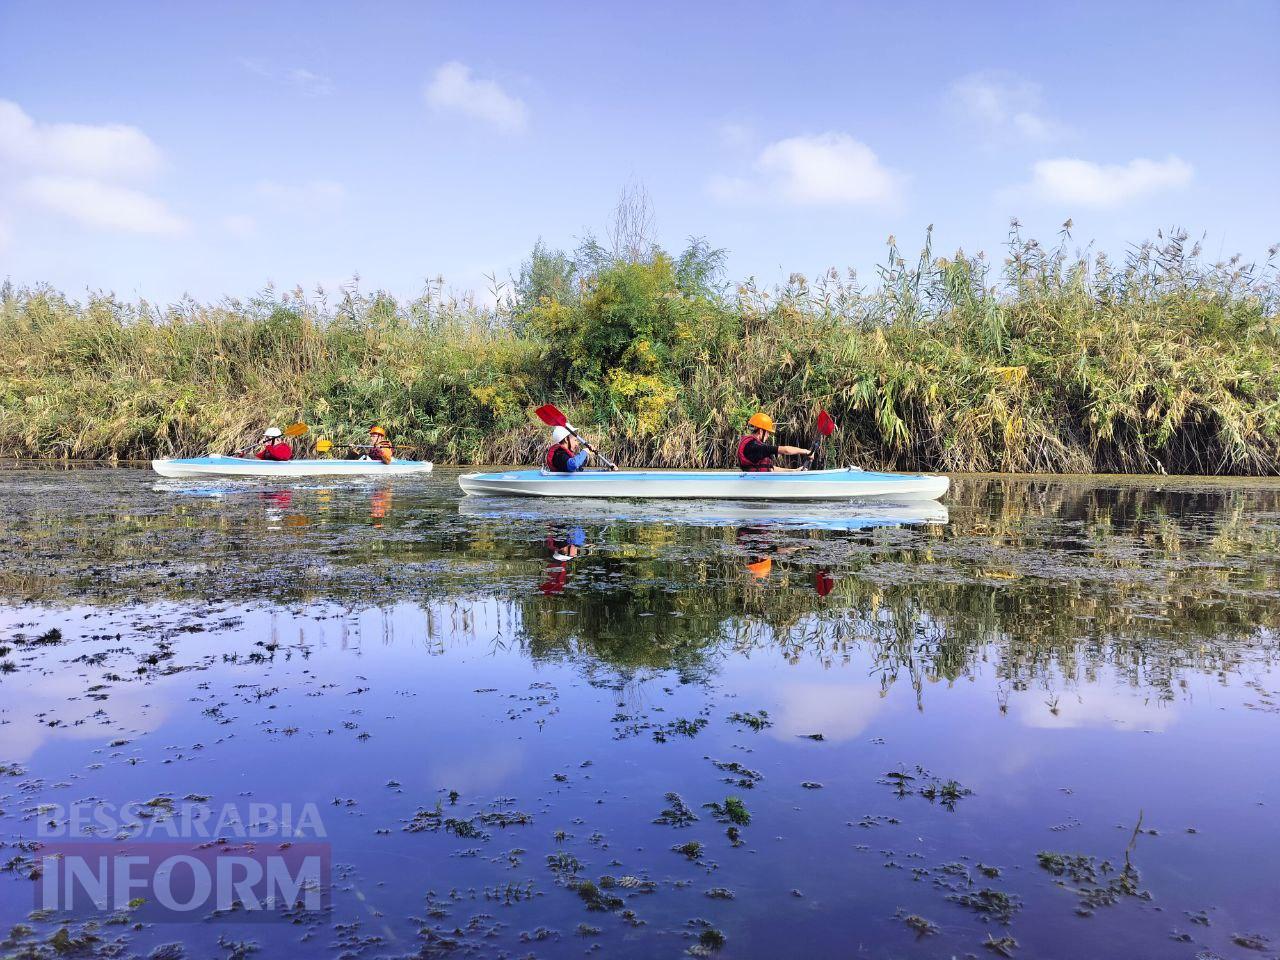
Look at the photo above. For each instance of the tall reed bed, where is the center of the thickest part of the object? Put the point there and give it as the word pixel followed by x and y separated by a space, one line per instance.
pixel 1048 361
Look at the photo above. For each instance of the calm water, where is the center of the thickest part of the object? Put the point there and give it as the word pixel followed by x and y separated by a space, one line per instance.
pixel 1042 720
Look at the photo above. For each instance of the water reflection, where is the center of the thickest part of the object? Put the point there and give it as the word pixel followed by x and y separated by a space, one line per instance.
pixel 1032 574
pixel 708 513
pixel 563 546
pixel 1077 654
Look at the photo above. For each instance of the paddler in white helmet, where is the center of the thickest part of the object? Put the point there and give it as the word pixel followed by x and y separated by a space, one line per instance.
pixel 273 446
pixel 566 454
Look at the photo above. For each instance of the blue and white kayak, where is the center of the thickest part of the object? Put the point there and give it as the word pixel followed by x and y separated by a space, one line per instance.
pixel 251 467
pixel 847 484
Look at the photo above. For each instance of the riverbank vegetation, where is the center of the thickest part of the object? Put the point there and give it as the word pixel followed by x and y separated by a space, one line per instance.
pixel 1044 360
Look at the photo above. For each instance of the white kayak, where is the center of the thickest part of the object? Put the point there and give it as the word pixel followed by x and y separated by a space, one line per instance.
pixel 847 484
pixel 252 467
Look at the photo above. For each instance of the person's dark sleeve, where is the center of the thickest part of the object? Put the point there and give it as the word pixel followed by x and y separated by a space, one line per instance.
pixel 756 451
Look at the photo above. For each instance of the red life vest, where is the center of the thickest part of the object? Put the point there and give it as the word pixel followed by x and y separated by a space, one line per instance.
pixel 276 451
pixel 748 465
pixel 550 456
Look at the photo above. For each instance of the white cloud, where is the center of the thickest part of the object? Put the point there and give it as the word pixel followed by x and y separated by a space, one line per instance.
pixel 110 151
pixel 1004 107
pixel 827 169
pixel 102 205
pixel 1090 184
pixel 454 89
pixel 76 170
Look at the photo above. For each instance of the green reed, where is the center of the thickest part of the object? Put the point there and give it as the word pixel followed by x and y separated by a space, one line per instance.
pixel 1050 361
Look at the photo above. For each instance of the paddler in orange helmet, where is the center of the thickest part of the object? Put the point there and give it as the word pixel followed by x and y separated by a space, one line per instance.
pixel 380 447
pixel 755 453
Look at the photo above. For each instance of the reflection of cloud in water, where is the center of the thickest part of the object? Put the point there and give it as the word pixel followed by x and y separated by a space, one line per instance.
pixel 1095 707
pixel 837 711
pixel 130 709
pixel 479 769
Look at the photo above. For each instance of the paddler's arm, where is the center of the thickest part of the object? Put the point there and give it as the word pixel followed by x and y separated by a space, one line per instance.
pixel 790 452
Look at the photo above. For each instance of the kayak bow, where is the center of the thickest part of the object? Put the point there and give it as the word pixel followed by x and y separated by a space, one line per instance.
pixel 251 467
pixel 846 484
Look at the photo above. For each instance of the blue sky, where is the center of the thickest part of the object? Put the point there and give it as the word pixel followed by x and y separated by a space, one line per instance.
pixel 156 149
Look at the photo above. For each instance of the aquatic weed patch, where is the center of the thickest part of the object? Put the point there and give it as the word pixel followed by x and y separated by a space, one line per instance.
pixel 922 783
pixel 692 849
pixel 918 924
pixel 759 720
pixel 677 812
pixel 732 811
pixel 739 775
pixel 995 904
pixel 434 819
pixel 1098 883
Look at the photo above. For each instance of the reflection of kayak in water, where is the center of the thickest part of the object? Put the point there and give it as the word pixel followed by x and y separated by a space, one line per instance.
pixel 818 516
pixel 847 484
pixel 251 467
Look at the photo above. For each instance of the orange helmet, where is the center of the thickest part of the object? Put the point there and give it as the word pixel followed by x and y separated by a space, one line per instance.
pixel 378 430
pixel 762 421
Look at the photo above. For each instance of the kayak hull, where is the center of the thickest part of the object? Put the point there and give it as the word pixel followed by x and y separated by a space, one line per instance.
pixel 847 484
pixel 247 467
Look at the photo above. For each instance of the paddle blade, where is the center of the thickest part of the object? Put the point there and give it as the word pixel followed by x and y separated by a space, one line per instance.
pixel 295 429
pixel 826 426
pixel 324 446
pixel 551 416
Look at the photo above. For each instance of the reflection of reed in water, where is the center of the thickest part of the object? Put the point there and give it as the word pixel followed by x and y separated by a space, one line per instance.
pixel 1030 574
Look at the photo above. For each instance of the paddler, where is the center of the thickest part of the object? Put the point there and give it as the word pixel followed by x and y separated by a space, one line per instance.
pixel 273 446
pixel 380 447
pixel 566 454
pixel 755 453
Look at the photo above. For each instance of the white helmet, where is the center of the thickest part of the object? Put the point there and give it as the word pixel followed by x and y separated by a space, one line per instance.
pixel 558 434
pixel 272 432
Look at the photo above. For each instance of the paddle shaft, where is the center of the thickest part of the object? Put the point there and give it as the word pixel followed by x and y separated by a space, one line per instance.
pixel 599 456
pixel 369 446
pixel 814 453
